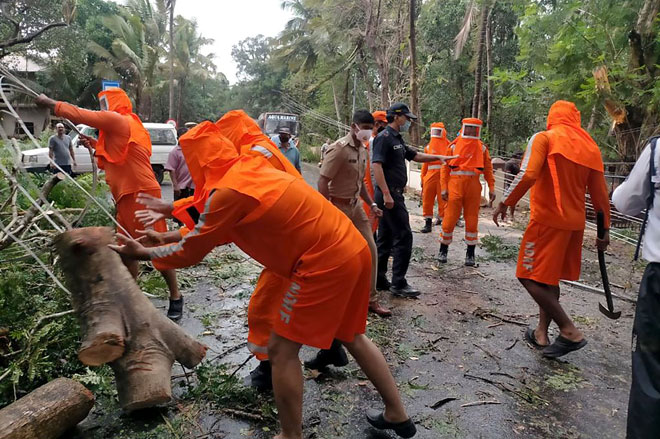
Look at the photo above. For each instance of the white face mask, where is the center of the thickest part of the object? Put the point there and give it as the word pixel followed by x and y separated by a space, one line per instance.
pixel 363 135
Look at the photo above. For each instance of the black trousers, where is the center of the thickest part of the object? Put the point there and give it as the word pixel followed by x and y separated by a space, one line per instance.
pixel 644 403
pixel 394 238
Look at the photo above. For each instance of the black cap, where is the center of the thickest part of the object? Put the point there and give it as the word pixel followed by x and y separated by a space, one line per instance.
pixel 398 109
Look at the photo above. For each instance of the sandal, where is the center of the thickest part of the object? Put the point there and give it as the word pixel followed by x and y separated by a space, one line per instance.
pixel 405 429
pixel 563 346
pixel 531 339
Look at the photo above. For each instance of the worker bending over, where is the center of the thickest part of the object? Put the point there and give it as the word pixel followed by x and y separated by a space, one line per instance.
pixel 560 165
pixel 461 187
pixel 431 180
pixel 123 151
pixel 289 228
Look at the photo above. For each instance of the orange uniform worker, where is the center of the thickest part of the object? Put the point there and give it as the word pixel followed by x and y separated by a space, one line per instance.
pixel 560 165
pixel 123 151
pixel 287 226
pixel 431 178
pixel 461 187
pixel 250 141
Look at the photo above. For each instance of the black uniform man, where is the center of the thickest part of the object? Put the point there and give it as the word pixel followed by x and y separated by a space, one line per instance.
pixel 389 166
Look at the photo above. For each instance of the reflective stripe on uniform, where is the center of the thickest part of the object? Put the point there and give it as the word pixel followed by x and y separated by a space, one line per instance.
pixel 471 235
pixel 263 151
pixel 257 349
pixel 435 167
pixel 463 173
pixel 523 168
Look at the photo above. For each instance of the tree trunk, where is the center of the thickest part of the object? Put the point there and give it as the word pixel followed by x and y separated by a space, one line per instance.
pixel 171 108
pixel 337 109
pixel 478 73
pixel 120 326
pixel 414 86
pixel 179 102
pixel 47 412
pixel 489 73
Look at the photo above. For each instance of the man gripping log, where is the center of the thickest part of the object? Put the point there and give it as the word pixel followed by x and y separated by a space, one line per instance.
pixel 291 229
pixel 560 165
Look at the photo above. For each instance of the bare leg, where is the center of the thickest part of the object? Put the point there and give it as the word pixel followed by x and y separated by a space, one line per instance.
pixel 547 297
pixel 170 280
pixel 287 385
pixel 373 364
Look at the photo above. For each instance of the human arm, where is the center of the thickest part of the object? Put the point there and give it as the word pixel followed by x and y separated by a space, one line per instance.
pixel 444 176
pixel 156 209
pixel 51 154
pixel 422 157
pixel 601 201
pixel 324 185
pixel 366 197
pixel 533 161
pixel 72 153
pixel 335 159
pixel 631 196
pixel 488 175
pixel 297 161
pixel 380 152
pixel 224 210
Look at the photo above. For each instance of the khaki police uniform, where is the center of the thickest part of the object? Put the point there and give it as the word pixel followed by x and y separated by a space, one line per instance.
pixel 344 164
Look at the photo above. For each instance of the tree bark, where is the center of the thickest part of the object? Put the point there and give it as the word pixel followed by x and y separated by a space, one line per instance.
pixel 47 412
pixel 489 73
pixel 414 86
pixel 478 73
pixel 120 325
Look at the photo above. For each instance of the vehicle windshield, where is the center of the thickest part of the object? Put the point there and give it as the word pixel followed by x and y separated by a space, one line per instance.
pixel 162 136
pixel 276 121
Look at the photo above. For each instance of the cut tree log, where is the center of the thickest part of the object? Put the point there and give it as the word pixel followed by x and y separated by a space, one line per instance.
pixel 120 325
pixel 47 412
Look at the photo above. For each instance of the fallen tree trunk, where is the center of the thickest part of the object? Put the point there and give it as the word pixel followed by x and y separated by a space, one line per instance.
pixel 47 412
pixel 120 325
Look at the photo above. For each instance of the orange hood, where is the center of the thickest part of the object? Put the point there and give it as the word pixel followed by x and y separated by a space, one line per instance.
pixel 380 116
pixel 571 141
pixel 117 100
pixel 469 147
pixel 439 141
pixel 239 128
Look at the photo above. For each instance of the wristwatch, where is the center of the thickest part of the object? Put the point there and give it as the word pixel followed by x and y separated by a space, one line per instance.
pixel 374 205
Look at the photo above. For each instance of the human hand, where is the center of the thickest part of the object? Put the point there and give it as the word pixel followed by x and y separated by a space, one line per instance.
pixel 389 201
pixel 491 196
pixel 499 213
pixel 44 101
pixel 150 238
pixel 156 204
pixel 87 142
pixel 149 217
pixel 602 244
pixel 444 158
pixel 130 248
pixel 445 196
pixel 376 211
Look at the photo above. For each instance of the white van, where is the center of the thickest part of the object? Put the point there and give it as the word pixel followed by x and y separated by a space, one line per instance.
pixel 163 140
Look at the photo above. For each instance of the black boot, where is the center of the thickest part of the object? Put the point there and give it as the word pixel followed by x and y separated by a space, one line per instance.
pixel 175 312
pixel 469 256
pixel 261 378
pixel 438 221
pixel 442 254
pixel 335 356
pixel 428 227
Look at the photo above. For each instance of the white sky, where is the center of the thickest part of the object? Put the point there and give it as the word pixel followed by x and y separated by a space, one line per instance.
pixel 230 21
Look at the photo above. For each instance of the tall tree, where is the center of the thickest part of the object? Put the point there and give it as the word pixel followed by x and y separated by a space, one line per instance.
pixel 170 8
pixel 414 86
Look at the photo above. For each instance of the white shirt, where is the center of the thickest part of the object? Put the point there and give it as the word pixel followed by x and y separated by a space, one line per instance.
pixel 630 198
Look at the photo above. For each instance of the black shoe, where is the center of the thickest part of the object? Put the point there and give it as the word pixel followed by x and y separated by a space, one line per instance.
pixel 404 429
pixel 406 291
pixel 335 356
pixel 469 256
pixel 261 378
pixel 428 226
pixel 442 253
pixel 175 311
pixel 383 285
pixel 438 221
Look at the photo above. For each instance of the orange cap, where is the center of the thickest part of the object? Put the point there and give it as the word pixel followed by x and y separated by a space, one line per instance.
pixel 380 116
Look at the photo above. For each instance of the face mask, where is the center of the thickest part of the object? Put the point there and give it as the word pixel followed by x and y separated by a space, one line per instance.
pixel 406 126
pixel 363 135
pixel 380 129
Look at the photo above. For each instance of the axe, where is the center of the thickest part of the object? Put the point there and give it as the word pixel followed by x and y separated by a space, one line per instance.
pixel 609 311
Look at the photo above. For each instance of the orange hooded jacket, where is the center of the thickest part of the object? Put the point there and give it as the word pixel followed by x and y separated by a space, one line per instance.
pixel 277 219
pixel 437 145
pixel 560 164
pixel 123 148
pixel 473 155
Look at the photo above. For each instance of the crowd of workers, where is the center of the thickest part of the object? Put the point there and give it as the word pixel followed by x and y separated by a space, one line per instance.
pixel 325 252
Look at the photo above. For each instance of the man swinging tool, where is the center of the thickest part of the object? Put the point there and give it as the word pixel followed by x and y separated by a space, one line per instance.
pixel 560 165
pixel 122 150
pixel 642 191
pixel 291 229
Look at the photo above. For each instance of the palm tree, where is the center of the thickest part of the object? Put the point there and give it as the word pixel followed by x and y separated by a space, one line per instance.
pixel 170 7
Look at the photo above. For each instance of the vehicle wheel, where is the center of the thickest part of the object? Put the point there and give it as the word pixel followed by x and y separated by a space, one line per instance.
pixel 159 172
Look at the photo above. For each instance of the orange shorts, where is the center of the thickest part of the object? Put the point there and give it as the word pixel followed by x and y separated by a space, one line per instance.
pixel 318 306
pixel 260 317
pixel 126 208
pixel 548 254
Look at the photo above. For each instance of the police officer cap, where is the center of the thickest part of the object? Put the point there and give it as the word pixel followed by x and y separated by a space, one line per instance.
pixel 399 109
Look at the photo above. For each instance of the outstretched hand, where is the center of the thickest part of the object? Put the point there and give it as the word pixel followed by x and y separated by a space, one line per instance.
pixel 156 204
pixel 148 217
pixel 499 213
pixel 130 248
pixel 44 101
pixel 444 158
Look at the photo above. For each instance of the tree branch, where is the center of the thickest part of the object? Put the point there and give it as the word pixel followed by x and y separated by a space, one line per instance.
pixel 26 39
